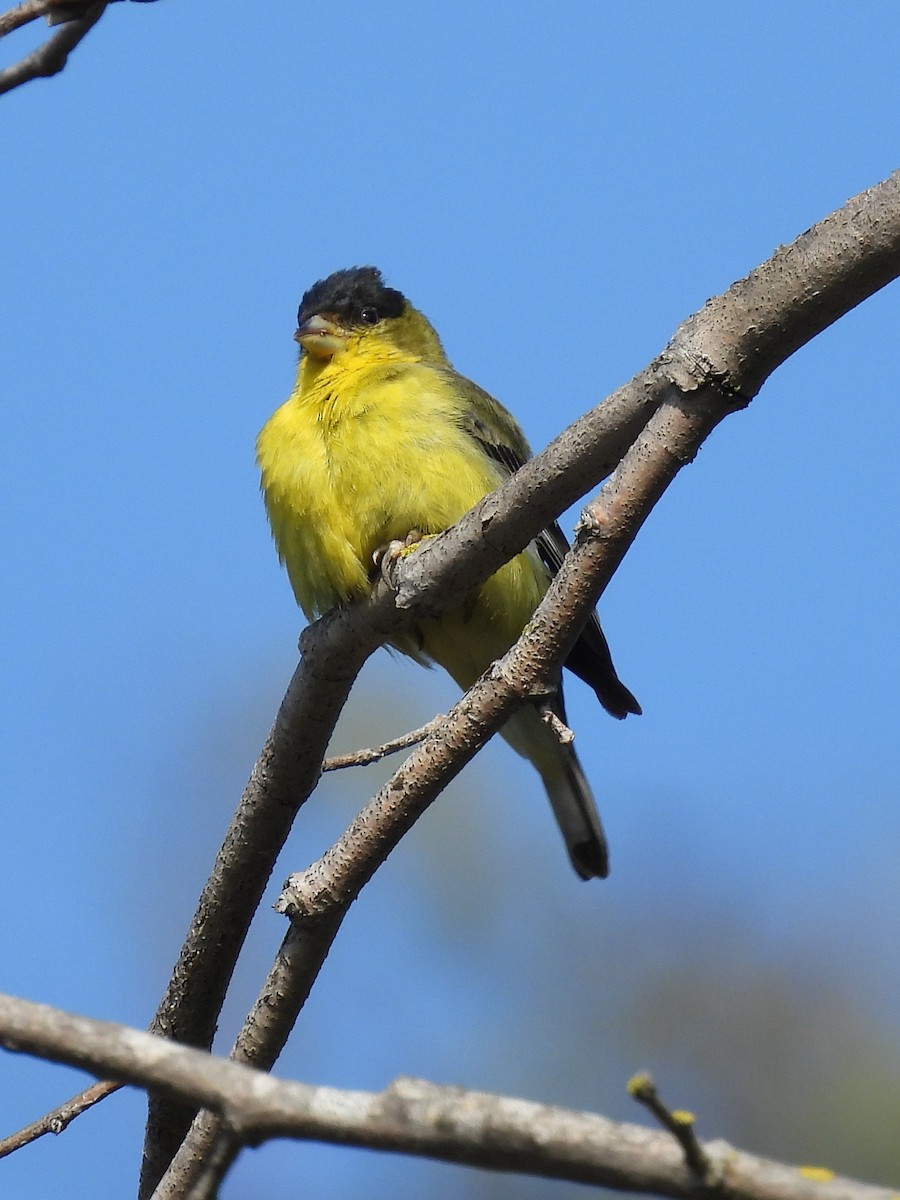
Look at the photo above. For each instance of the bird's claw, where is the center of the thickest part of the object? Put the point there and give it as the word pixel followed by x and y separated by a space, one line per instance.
pixel 385 557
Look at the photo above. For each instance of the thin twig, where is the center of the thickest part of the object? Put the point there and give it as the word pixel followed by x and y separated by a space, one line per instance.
pixel 564 735
pixel 57 1120
pixel 50 58
pixel 678 1122
pixel 363 758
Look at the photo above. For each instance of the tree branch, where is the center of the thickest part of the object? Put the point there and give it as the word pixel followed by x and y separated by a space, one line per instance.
pixel 411 1116
pixel 714 364
pixel 363 758
pixel 50 58
pixel 59 1118
pixel 23 14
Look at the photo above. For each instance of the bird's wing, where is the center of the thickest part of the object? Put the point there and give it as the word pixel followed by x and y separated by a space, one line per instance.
pixel 500 437
pixel 490 424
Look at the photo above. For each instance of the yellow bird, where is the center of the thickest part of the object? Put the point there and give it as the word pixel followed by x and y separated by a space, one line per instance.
pixel 381 439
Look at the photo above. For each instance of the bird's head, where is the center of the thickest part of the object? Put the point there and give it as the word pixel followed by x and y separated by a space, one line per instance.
pixel 354 311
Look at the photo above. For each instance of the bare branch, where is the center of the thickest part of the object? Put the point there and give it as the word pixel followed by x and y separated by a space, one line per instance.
pixel 60 1117
pixel 363 758
pixel 282 779
pixel 57 12
pixel 564 735
pixel 50 58
pixel 210 1147
pixel 715 363
pixel 411 1116
pixel 22 14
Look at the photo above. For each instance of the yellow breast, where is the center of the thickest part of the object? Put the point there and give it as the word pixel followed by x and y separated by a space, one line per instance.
pixel 362 457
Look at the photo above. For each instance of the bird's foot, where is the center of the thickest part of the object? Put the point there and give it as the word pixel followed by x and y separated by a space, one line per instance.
pixel 385 557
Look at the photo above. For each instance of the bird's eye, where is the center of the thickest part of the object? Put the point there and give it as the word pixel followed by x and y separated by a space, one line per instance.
pixel 369 316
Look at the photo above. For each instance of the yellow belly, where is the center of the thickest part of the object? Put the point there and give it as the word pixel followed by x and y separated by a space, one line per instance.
pixel 342 477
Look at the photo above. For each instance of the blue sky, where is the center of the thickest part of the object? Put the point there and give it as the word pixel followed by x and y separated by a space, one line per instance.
pixel 596 172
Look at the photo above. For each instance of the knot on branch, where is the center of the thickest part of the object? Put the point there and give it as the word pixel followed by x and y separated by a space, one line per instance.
pixel 690 370
pixel 308 896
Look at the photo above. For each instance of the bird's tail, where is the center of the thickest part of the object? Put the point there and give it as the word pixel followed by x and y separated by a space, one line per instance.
pixel 570 794
pixel 578 817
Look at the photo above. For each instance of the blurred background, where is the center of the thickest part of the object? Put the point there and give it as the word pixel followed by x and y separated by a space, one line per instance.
pixel 598 170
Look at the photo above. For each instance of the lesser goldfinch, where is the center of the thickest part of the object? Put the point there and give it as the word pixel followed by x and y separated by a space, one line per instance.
pixel 381 437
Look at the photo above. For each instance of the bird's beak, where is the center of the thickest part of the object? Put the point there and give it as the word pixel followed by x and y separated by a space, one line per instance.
pixel 321 335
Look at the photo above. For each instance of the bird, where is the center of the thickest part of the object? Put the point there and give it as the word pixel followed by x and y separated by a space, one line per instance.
pixel 381 443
